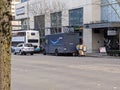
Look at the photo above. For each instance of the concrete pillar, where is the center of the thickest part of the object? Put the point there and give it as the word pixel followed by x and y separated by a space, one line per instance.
pixel 92 12
pixel 87 39
pixel 65 18
pixel 47 24
pixel 31 22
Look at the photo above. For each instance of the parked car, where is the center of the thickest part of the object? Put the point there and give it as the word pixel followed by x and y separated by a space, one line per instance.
pixel 24 48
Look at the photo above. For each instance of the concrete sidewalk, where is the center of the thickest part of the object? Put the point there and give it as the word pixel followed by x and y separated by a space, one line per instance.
pixel 101 55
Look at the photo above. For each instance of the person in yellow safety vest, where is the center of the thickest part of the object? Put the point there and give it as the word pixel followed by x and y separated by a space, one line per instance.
pixel 81 53
pixel 84 48
pixel 81 49
pixel 78 47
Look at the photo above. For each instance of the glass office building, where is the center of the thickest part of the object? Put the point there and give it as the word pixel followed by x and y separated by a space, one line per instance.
pixel 23 1
pixel 110 10
pixel 110 13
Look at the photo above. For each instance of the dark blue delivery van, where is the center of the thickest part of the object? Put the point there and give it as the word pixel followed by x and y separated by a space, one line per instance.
pixel 62 43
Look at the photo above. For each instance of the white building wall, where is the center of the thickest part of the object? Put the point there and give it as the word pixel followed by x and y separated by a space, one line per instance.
pixel 91 8
pixel 87 39
pixel 32 22
pixel 91 13
pixel 65 18
pixel 22 11
pixel 47 24
pixel 15 24
pixel 13 3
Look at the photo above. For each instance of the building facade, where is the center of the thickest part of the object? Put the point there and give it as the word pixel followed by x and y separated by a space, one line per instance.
pixel 108 26
pixel 90 18
pixel 15 23
pixel 111 14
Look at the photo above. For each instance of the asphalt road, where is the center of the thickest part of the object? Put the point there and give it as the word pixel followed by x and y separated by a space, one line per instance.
pixel 39 72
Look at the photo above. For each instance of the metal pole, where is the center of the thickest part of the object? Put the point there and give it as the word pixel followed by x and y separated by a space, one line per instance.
pixel 28 22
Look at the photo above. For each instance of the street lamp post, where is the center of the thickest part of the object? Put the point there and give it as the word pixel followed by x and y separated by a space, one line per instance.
pixel 28 21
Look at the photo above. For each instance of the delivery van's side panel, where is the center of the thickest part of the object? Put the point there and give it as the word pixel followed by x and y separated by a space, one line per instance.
pixel 63 43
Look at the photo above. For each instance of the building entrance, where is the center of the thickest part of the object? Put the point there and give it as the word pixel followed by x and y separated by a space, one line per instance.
pixel 111 39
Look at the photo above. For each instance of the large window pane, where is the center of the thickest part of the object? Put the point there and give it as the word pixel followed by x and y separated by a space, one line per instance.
pixel 110 11
pixel 56 19
pixel 24 0
pixel 76 17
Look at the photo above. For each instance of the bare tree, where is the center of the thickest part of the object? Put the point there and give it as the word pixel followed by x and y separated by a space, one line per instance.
pixel 38 10
pixel 5 42
pixel 40 25
pixel 56 10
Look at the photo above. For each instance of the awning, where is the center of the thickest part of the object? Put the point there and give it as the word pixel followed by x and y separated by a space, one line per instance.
pixel 102 25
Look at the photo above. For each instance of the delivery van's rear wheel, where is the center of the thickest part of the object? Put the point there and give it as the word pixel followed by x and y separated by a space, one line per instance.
pixel 56 52
pixel 44 52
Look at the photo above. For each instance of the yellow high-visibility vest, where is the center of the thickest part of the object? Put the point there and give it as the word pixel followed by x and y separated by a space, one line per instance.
pixel 81 47
pixel 84 48
pixel 78 47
